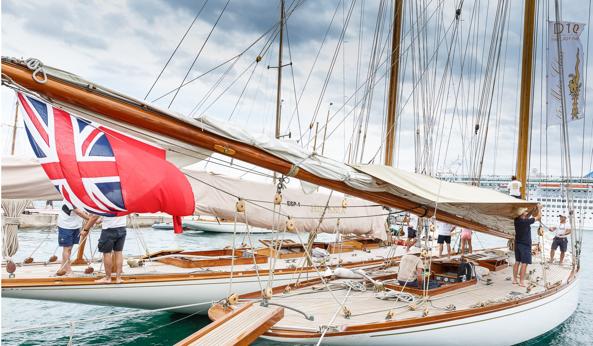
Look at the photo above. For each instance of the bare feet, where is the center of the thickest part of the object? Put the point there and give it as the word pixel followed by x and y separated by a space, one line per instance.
pixel 522 284
pixel 119 281
pixel 104 280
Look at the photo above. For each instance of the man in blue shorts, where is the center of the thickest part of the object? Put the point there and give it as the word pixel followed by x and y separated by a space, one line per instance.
pixel 69 224
pixel 523 243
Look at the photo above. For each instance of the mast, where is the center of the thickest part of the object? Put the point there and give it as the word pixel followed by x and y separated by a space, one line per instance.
pixel 526 97
pixel 393 77
pixel 279 86
pixel 279 83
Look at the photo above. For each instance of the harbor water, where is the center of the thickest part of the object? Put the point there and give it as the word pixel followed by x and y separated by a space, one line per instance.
pixel 164 328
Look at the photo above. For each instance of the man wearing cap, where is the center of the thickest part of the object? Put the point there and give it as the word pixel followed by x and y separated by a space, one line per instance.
pixel 560 238
pixel 523 243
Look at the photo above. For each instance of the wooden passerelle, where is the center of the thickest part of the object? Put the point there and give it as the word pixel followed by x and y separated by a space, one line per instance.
pixel 239 327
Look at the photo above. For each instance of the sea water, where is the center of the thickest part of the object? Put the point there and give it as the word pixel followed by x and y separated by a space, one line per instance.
pixel 164 328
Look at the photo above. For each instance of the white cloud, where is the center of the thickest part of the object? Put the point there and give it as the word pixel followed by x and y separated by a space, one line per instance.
pixel 123 45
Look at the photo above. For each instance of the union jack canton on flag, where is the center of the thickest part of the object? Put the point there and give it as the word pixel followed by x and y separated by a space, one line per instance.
pixel 103 171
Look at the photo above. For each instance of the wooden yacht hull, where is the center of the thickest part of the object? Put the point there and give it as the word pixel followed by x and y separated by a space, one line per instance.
pixel 152 294
pixel 504 326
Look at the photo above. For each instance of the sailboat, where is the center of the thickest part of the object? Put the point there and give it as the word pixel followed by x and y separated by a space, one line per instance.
pixel 489 302
pixel 207 270
pixel 378 309
pixel 203 275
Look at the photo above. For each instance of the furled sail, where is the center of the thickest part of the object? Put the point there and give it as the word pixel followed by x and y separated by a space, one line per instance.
pixel 285 158
pixel 217 195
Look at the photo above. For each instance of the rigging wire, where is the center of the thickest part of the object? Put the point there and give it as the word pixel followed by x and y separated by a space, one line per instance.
pixel 176 48
pixel 314 64
pixel 294 89
pixel 199 52
pixel 270 30
pixel 363 85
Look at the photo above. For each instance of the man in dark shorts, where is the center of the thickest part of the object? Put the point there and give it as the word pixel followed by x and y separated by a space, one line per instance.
pixel 444 232
pixel 523 243
pixel 111 245
pixel 560 238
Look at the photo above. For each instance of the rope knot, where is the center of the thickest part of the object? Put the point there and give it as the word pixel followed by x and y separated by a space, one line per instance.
pixel 37 67
pixel 11 220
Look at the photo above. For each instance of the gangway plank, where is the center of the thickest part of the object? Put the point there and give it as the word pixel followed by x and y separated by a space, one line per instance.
pixel 240 327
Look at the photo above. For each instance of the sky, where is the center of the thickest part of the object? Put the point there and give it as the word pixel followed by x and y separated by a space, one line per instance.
pixel 334 47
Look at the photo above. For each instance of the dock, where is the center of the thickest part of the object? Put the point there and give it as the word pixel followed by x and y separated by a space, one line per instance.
pixel 240 327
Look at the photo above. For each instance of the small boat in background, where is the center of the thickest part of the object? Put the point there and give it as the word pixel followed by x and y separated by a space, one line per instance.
pixel 222 227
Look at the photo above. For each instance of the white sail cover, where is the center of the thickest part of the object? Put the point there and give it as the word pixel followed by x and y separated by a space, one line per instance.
pixel 488 207
pixel 23 178
pixel 217 195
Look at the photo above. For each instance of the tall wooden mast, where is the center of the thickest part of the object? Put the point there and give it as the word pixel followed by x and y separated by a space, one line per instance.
pixel 525 101
pixel 393 77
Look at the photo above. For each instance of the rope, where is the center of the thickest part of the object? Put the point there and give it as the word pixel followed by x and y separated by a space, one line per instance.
pixel 12 209
pixel 37 67
pixel 41 243
pixel 199 52
pixel 233 255
pixel 334 317
pixel 72 326
pixel 176 48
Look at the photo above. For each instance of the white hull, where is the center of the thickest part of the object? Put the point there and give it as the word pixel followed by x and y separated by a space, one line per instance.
pixel 152 295
pixel 224 227
pixel 506 327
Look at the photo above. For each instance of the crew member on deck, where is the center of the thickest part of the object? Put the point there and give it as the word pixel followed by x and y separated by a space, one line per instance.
pixel 523 243
pixel 69 224
pixel 560 239
pixel 515 187
pixel 410 270
pixel 444 231
pixel 111 244
pixel 466 241
pixel 412 224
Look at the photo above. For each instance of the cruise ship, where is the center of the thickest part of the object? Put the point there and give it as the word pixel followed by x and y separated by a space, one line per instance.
pixel 550 193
